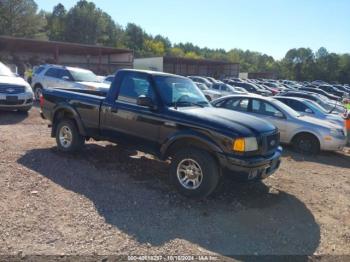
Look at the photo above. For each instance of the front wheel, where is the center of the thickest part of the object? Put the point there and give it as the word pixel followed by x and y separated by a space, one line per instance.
pixel 306 143
pixel 194 172
pixel 68 138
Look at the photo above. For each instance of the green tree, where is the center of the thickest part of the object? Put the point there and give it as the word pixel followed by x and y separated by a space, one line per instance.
pixel 85 23
pixel 135 38
pixel 56 23
pixel 192 55
pixel 176 52
pixel 153 48
pixel 20 18
pixel 166 42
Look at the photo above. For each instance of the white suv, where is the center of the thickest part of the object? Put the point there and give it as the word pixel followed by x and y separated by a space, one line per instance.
pixel 47 76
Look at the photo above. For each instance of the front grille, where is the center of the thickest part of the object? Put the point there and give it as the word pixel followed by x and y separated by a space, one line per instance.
pixel 11 103
pixel 270 142
pixel 11 89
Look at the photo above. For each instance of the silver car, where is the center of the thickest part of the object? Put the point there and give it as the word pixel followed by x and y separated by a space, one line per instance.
pixel 15 92
pixel 209 93
pixel 307 134
pixel 226 89
pixel 65 77
pixel 311 108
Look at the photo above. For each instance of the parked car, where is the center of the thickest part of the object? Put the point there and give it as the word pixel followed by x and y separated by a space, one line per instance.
pixel 210 94
pixel 65 77
pixel 275 86
pixel 200 79
pixel 332 90
pixel 168 116
pixel 15 92
pixel 226 89
pixel 343 88
pixel 306 134
pixel 108 79
pixel 251 88
pixel 213 80
pixel 329 105
pixel 310 108
pixel 274 91
pixel 321 92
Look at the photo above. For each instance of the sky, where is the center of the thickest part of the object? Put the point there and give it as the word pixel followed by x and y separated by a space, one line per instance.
pixel 267 26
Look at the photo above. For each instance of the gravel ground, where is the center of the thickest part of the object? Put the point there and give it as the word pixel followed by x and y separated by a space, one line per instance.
pixel 112 200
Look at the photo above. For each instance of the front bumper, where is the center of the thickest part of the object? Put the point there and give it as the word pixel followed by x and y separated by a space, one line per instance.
pixel 336 144
pixel 16 101
pixel 251 168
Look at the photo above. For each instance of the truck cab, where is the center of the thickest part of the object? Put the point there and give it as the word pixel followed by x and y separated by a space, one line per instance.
pixel 168 116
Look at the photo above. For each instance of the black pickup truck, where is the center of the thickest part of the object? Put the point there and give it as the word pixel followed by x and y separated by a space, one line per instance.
pixel 168 116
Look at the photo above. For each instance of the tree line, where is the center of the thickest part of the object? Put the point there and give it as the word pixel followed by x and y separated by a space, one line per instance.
pixel 86 23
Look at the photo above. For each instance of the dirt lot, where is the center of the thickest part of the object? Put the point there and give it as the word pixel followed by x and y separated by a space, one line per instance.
pixel 111 200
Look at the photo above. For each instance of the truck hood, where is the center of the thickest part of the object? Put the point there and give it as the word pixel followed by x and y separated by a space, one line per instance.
pixel 228 121
pixel 95 85
pixel 13 80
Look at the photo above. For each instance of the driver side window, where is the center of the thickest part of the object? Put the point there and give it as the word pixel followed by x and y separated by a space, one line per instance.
pixel 134 86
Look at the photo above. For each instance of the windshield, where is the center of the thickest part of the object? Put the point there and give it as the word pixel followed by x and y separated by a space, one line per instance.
pixel 316 107
pixel 286 108
pixel 179 92
pixel 5 71
pixel 83 76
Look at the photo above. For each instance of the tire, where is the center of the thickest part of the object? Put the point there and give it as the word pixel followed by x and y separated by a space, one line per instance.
pixel 25 109
pixel 38 90
pixel 68 138
pixel 306 144
pixel 197 160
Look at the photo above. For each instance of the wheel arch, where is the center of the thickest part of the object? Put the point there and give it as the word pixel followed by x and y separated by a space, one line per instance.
pixel 193 139
pixel 66 111
pixel 307 132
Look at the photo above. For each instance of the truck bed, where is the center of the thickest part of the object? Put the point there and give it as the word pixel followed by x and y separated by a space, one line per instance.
pixel 86 103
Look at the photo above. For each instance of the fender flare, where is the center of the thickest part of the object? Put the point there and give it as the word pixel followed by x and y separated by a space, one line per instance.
pixel 191 135
pixel 67 108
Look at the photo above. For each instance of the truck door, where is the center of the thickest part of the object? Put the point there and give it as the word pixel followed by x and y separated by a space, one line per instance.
pixel 124 120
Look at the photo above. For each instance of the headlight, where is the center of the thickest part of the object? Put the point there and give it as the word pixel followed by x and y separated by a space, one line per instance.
pixel 28 89
pixel 246 144
pixel 336 132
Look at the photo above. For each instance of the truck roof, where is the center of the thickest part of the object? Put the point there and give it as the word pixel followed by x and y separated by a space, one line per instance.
pixel 154 73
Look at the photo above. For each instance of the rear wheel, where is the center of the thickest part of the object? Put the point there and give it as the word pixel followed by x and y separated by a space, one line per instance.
pixel 38 91
pixel 306 143
pixel 194 172
pixel 67 136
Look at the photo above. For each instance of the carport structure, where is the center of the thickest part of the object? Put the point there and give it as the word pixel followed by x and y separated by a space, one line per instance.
pixel 188 66
pixel 30 52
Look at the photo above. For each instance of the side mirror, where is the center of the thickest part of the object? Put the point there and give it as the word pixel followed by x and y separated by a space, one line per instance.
pixel 278 114
pixel 145 101
pixel 308 111
pixel 66 78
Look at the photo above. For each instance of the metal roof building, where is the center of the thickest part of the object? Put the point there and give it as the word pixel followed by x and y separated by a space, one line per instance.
pixel 188 66
pixel 29 52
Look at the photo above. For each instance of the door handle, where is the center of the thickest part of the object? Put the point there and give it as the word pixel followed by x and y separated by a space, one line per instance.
pixel 114 110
